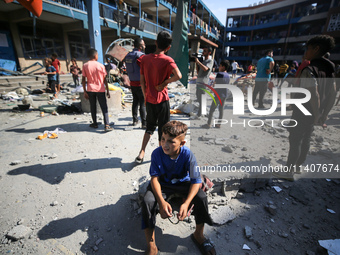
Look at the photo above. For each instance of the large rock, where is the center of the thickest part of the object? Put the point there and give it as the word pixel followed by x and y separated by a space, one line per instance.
pixel 19 232
pixel 223 215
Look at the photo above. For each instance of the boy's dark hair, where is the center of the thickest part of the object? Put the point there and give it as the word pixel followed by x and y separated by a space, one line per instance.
pixel 266 52
pixel 55 55
pixel 209 48
pixel 164 40
pixel 137 42
pixel 73 59
pixel 225 63
pixel 325 42
pixel 175 128
pixel 91 53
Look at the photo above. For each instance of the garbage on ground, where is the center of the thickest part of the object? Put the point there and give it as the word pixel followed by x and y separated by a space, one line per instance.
pixel 176 111
pixel 331 211
pixel 331 245
pixel 51 134
pixel 277 189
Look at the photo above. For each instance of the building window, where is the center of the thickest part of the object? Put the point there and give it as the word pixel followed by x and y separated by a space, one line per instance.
pixel 78 46
pixel 41 47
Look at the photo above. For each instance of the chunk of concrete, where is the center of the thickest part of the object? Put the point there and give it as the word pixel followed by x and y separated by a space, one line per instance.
pixel 19 232
pixel 223 215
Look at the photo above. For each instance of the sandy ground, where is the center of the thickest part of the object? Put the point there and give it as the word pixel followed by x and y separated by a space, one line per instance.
pixel 77 194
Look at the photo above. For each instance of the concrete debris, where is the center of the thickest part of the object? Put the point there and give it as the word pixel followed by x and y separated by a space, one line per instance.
pixel 271 209
pixel 227 149
pixel 18 232
pixel 246 247
pixel 206 138
pixel 15 162
pixel 220 141
pixel 82 202
pixel 99 241
pixel 331 245
pixel 222 215
pixel 248 232
pixel 283 234
pixel 277 189
pixel 53 156
pixel 54 203
pixel 331 211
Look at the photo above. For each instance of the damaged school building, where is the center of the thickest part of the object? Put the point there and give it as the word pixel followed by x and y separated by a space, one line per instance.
pixel 63 27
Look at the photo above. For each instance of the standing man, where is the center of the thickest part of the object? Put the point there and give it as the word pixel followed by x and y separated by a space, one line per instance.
pixel 132 61
pixel 203 73
pixel 56 65
pixel 235 67
pixel 318 78
pixel 264 67
pixel 155 71
pixel 94 84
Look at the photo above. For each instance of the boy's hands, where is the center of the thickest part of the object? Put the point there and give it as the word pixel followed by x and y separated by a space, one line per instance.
pixel 165 210
pixel 183 211
pixel 86 95
pixel 160 87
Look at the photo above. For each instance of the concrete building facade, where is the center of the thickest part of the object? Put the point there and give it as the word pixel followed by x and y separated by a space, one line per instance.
pixel 281 25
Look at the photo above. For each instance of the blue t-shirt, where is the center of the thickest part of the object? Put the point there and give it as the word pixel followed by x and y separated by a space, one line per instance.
pixel 222 78
pixel 51 77
pixel 262 66
pixel 175 171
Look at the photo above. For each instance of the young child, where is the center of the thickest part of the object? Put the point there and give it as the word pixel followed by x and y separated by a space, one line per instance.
pixel 174 170
pixel 56 65
pixel 94 72
pixel 51 76
pixel 318 78
pixel 155 71
pixel 222 77
pixel 75 71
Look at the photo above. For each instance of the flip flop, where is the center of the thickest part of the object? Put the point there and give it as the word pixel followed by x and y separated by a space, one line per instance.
pixel 139 160
pixel 206 248
pixel 108 128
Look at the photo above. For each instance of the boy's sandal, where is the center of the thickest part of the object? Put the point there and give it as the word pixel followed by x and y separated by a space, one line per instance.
pixel 206 248
pixel 139 160
pixel 108 128
pixel 93 125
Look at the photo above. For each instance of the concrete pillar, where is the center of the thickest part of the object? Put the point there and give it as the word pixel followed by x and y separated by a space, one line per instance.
pixel 17 44
pixel 94 27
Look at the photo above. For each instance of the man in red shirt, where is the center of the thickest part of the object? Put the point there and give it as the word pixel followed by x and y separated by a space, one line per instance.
pixel 155 70
pixel 56 65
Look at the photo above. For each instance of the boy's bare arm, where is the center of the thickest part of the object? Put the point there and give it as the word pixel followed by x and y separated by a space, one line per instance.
pixel 183 211
pixel 164 207
pixel 142 83
pixel 83 82
pixel 176 76
pixel 107 87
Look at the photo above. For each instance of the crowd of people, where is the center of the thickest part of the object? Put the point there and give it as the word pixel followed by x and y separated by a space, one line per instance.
pixel 173 165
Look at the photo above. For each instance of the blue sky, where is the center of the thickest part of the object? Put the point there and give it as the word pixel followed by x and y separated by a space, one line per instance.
pixel 219 7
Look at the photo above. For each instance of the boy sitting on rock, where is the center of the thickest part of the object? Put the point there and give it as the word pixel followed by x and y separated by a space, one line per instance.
pixel 174 170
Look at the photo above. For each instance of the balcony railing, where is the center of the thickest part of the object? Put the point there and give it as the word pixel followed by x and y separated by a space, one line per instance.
pixel 112 13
